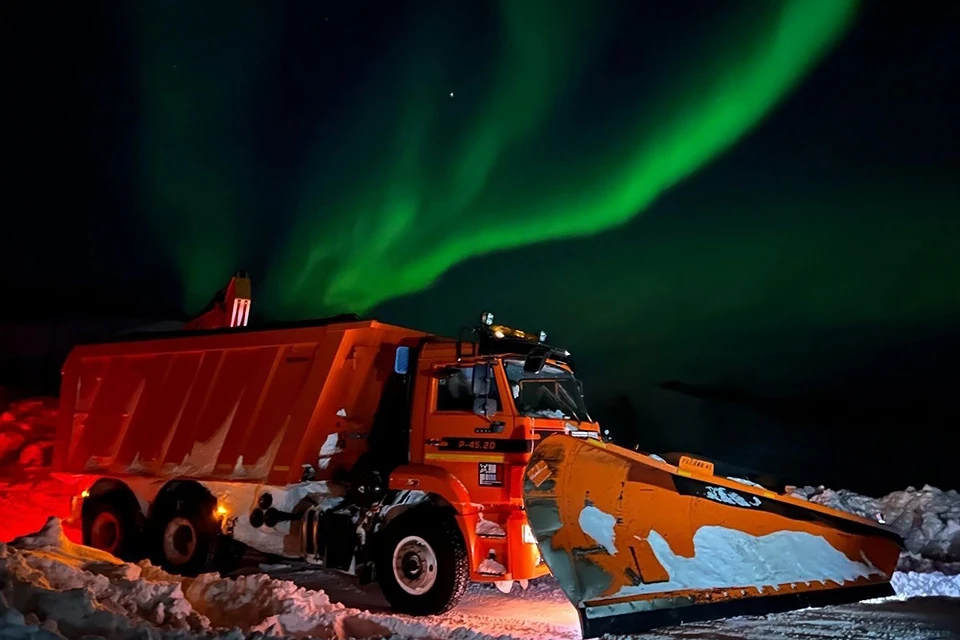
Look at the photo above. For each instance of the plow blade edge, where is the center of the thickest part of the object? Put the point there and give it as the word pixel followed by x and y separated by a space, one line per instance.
pixel 637 543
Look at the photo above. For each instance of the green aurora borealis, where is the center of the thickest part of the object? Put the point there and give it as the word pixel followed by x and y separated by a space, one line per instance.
pixel 404 181
pixel 750 197
pixel 774 251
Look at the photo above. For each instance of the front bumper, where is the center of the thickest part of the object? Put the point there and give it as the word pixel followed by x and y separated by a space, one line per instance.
pixel 515 556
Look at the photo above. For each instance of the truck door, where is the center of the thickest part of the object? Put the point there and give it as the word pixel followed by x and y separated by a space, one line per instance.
pixel 467 443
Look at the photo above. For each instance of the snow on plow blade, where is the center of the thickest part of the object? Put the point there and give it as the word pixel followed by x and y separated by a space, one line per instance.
pixel 637 543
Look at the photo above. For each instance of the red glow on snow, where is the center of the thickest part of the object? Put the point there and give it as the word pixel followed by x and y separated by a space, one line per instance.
pixel 25 507
pixel 28 494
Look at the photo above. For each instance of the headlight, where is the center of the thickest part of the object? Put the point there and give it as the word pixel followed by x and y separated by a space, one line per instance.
pixel 527 534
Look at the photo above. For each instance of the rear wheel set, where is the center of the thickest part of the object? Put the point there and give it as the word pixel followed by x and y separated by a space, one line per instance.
pixel 184 538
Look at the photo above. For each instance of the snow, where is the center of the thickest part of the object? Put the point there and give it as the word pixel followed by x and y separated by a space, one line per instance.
pixel 732 558
pixel 927 518
pixel 491 567
pixel 26 505
pixel 52 586
pixel 261 468
pixel 201 460
pixel 84 591
pixel 599 526
pixel 136 465
pixel 240 498
pixel 54 589
pixel 202 457
pixel 329 448
pixel 547 413
pixel 750 483
pixel 912 584
pixel 27 431
pixel 489 528
pixel 727 496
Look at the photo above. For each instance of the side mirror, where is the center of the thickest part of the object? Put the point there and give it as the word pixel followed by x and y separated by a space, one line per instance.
pixel 401 361
pixel 484 406
pixel 481 380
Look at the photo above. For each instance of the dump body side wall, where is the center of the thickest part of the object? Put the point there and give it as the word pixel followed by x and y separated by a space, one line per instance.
pixel 244 405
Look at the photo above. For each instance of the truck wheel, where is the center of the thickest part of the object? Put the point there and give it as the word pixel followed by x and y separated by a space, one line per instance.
pixel 110 526
pixel 422 564
pixel 187 542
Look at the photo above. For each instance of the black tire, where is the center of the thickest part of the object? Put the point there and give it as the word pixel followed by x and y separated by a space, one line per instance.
pixel 186 540
pixel 112 525
pixel 413 539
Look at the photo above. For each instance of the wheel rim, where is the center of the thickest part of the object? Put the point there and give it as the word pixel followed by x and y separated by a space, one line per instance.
pixel 179 541
pixel 415 565
pixel 105 532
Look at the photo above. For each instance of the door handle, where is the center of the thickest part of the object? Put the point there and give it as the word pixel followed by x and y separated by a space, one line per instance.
pixel 491 427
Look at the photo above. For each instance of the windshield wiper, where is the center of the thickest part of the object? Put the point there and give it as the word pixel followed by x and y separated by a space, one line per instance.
pixel 574 406
pixel 571 407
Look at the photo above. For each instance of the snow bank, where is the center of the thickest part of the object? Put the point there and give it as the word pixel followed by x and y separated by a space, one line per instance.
pixel 27 432
pixel 56 585
pixel 927 518
pixel 910 584
pixel 52 588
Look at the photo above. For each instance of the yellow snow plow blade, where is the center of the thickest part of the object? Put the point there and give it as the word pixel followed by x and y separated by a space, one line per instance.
pixel 637 543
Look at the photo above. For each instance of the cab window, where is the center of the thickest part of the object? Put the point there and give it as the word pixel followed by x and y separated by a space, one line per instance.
pixel 455 391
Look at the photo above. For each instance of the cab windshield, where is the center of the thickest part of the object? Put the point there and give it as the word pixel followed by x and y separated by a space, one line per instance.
pixel 552 393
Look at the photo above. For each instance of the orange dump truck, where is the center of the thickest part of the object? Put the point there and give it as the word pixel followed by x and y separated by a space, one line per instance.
pixel 424 462
pixel 381 451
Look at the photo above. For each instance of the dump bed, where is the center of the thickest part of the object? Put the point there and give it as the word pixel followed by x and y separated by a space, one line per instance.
pixel 234 404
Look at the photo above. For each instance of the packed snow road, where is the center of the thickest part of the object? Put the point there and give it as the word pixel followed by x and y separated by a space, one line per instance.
pixel 542 611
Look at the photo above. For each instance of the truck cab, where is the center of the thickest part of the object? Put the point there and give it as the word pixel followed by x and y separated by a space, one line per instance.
pixel 478 409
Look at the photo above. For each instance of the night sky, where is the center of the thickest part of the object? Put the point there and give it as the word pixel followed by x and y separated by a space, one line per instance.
pixel 741 217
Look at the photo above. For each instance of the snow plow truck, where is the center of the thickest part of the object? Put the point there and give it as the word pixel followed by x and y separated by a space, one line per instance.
pixel 422 463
